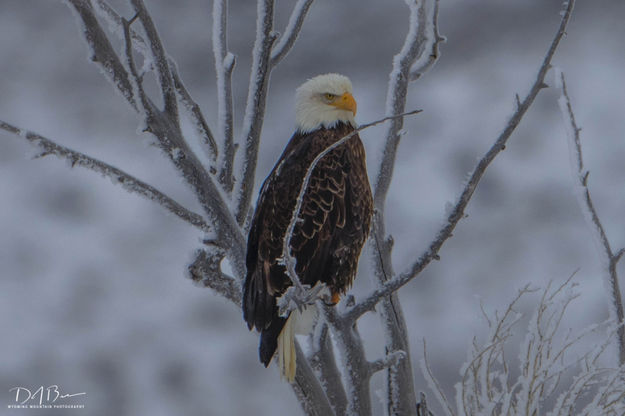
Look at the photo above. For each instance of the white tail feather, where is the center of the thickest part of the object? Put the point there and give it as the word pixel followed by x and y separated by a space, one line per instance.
pixel 286 350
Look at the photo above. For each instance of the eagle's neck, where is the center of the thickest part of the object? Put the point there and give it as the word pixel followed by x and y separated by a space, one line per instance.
pixel 309 120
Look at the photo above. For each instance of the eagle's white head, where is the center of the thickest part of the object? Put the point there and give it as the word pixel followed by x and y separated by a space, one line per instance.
pixel 323 101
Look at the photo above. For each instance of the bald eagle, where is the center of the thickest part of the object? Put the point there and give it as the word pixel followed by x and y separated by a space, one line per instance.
pixel 333 221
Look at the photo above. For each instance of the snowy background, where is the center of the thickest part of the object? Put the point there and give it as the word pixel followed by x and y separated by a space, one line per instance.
pixel 92 290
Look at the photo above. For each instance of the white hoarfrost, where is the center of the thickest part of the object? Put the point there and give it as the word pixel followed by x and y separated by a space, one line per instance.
pixel 544 363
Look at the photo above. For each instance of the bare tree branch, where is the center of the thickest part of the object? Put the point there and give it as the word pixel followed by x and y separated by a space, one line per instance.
pixel 165 80
pixel 307 388
pixel 401 397
pixel 255 107
pixel 457 213
pixel 136 80
pixel 101 50
pixel 287 40
pixel 207 139
pixel 609 259
pixel 357 372
pixel 323 362
pixel 425 62
pixel 209 145
pixel 165 126
pixel 118 176
pixel 224 64
pixel 387 361
pixel 206 270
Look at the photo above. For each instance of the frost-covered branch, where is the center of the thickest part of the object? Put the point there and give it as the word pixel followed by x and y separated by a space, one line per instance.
pixel 389 360
pixel 129 182
pixel 115 21
pixel 426 61
pixel 356 368
pixel 457 213
pixel 421 33
pixel 206 270
pixel 100 49
pixel 255 107
pixel 165 125
pixel 609 259
pixel 308 389
pixel 487 386
pixel 159 59
pixel 209 145
pixel 287 40
pixel 323 362
pixel 224 65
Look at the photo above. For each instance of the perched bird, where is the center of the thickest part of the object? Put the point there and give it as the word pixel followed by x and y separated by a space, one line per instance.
pixel 332 225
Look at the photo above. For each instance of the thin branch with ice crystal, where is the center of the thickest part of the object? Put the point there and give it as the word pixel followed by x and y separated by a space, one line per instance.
pixel 287 40
pixel 118 176
pixel 608 258
pixel 401 397
pixel 255 107
pixel 159 59
pixel 322 361
pixel 224 65
pixel 100 49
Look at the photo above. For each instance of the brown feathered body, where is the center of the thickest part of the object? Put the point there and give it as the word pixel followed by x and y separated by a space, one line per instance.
pixel 332 226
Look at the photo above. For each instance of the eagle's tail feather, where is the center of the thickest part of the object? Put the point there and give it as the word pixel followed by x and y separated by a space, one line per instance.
pixel 286 350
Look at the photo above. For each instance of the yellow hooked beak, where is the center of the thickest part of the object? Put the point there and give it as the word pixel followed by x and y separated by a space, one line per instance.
pixel 345 102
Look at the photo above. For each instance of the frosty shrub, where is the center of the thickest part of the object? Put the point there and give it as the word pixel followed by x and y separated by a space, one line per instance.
pixel 549 376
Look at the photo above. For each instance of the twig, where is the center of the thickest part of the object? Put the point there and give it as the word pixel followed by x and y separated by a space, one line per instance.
pixel 458 211
pixel 255 107
pixel 307 388
pixel 209 145
pixel 136 80
pixel 207 139
pixel 400 392
pixel 424 63
pixel 609 259
pixel 357 372
pixel 287 40
pixel 323 362
pixel 160 60
pixel 206 270
pixel 101 51
pixel 224 64
pixel 387 361
pixel 129 182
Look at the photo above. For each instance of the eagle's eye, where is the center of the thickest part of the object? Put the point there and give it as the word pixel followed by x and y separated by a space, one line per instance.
pixel 328 96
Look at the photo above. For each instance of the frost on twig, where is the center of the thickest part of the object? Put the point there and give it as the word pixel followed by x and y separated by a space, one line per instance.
pixel 608 258
pixel 100 49
pixel 422 33
pixel 255 106
pixel 206 270
pixel 487 385
pixel 324 364
pixel 430 52
pixel 115 22
pixel 287 40
pixel 224 65
pixel 387 361
pixel 129 182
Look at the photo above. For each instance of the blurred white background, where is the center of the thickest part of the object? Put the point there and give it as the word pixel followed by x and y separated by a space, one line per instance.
pixel 92 289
